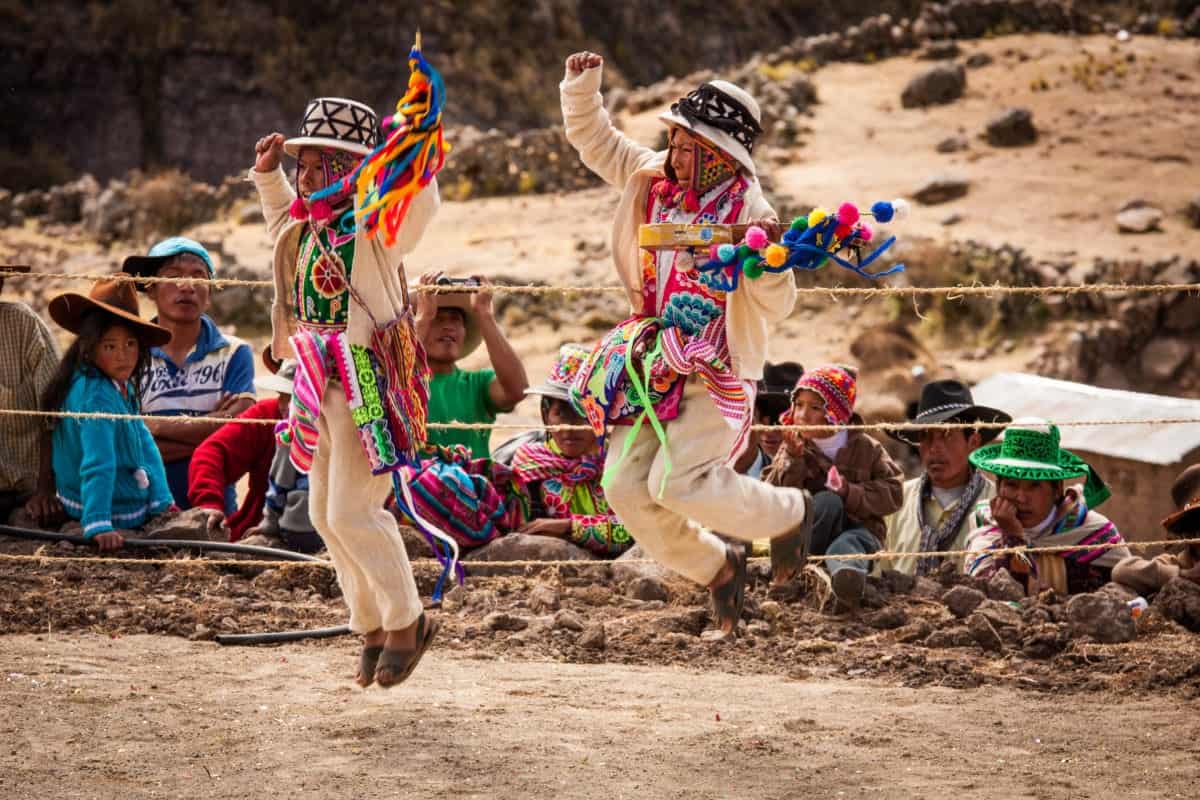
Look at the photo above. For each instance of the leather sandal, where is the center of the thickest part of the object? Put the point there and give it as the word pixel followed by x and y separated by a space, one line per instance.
pixel 395 666
pixel 366 665
pixel 729 597
pixel 789 553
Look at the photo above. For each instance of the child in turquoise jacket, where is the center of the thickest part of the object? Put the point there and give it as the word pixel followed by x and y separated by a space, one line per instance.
pixel 108 472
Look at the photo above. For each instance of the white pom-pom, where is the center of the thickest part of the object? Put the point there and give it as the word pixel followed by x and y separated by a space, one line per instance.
pixel 141 478
pixel 900 209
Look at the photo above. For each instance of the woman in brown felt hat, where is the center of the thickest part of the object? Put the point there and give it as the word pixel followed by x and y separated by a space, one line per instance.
pixel 109 473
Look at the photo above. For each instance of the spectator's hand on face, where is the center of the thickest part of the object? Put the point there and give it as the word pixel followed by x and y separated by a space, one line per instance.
pixel 481 301
pixel 559 528
pixel 45 509
pixel 110 541
pixel 1004 512
pixel 268 152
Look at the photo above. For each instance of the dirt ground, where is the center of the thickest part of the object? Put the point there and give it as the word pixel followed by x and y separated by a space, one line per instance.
pixel 560 682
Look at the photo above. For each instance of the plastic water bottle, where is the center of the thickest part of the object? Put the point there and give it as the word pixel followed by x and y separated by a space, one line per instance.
pixel 1137 606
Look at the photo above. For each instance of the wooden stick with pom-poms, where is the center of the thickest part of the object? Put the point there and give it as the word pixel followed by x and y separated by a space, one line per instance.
pixel 411 154
pixel 809 243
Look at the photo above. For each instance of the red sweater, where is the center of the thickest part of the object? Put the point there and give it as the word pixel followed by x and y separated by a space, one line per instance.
pixel 224 457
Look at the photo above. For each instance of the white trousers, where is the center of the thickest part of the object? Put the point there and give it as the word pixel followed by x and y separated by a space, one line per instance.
pixel 345 504
pixel 702 492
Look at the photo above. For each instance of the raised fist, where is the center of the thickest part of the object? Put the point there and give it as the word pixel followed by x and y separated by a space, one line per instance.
pixel 267 152
pixel 579 62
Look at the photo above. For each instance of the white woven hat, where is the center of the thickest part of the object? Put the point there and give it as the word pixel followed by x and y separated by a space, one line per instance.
pixel 723 103
pixel 339 123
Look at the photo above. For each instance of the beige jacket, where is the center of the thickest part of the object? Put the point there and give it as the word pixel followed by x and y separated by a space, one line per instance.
pixel 754 307
pixel 376 273
pixel 904 531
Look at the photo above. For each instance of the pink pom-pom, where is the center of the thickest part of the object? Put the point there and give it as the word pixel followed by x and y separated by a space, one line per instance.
pixel 321 212
pixel 713 252
pixel 298 210
pixel 842 231
pixel 865 233
pixel 757 238
pixel 847 214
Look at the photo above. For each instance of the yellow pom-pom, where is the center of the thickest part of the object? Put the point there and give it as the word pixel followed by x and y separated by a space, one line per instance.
pixel 776 255
pixel 816 216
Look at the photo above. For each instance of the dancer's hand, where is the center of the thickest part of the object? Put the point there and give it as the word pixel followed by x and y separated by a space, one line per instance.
pixel 268 151
pixel 578 62
pixel 773 228
pixel 109 541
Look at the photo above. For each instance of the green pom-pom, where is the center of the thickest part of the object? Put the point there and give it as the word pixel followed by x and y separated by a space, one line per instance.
pixel 752 267
pixel 744 251
pixel 800 224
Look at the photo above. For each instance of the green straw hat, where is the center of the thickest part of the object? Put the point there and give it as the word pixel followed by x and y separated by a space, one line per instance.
pixel 1030 451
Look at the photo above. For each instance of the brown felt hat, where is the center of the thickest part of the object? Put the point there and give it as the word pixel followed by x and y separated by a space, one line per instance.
pixel 1185 492
pixel 115 297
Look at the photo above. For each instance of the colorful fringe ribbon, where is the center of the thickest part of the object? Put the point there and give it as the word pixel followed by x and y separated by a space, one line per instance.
pixel 411 154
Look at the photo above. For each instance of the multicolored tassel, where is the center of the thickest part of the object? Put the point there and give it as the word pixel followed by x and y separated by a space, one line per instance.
pixel 412 153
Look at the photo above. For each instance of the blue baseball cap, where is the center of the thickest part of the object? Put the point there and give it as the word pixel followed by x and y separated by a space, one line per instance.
pixel 147 266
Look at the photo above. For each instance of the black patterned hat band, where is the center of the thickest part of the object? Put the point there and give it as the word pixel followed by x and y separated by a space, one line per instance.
pixel 715 108
pixel 339 123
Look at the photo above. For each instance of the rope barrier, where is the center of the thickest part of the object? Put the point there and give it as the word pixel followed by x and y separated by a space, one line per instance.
pixel 481 426
pixel 433 563
pixel 864 292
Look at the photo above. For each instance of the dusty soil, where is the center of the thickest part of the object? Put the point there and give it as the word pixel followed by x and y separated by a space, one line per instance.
pixel 96 708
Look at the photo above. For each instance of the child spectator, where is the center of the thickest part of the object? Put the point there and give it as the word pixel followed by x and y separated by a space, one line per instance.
pixel 451 326
pixel 240 449
pixel 561 478
pixel 853 481
pixel 108 471
pixel 1147 576
pixel 201 372
pixel 1032 508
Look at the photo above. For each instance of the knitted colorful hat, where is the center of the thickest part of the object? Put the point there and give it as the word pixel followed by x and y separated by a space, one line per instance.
pixel 837 386
pixel 1029 452
pixel 562 375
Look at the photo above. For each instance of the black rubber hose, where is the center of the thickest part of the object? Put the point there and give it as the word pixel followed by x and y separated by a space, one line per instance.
pixel 281 636
pixel 178 544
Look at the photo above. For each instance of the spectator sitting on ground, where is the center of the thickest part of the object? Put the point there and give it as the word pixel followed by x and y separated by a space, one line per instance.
pixel 202 372
pixel 771 400
pixel 28 359
pixel 451 326
pixel 560 480
pixel 108 472
pixel 285 522
pixel 1147 576
pixel 237 450
pixel 853 482
pixel 1036 506
pixel 939 505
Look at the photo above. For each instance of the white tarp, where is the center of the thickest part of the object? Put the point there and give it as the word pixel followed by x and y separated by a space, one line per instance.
pixel 1023 395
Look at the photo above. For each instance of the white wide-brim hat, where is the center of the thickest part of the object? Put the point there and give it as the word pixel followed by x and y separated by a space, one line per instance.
pixel 720 107
pixel 282 380
pixel 338 123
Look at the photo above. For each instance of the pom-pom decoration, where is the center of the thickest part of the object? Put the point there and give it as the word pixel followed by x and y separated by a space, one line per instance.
pixel 411 154
pixel 901 209
pixel 756 238
pixel 809 243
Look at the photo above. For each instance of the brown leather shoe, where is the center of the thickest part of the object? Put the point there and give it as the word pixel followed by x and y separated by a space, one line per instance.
pixel 789 553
